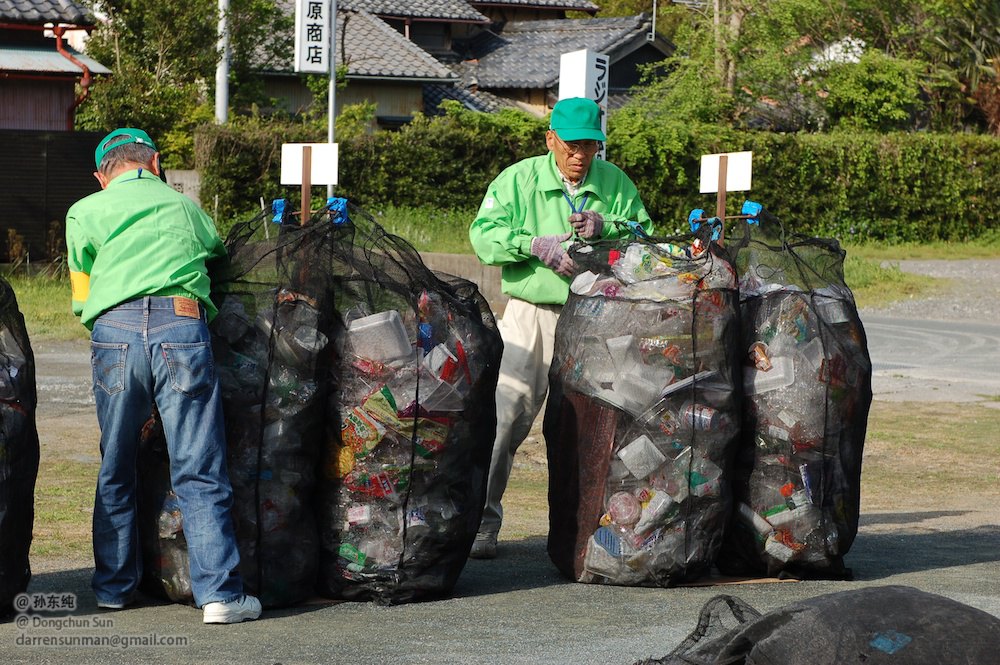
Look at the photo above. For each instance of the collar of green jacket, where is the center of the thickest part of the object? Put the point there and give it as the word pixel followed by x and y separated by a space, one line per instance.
pixel 551 180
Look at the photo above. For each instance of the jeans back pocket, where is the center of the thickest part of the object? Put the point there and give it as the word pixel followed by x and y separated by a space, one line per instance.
pixel 108 362
pixel 191 367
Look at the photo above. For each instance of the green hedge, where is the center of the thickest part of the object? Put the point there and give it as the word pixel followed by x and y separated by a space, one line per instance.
pixel 857 186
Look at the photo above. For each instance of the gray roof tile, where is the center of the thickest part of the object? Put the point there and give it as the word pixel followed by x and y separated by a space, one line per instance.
pixel 474 100
pixel 526 54
pixel 39 12
pixel 374 50
pixel 575 5
pixel 42 60
pixel 445 10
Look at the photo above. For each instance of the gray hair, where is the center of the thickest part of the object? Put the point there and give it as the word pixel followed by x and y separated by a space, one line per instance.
pixel 128 153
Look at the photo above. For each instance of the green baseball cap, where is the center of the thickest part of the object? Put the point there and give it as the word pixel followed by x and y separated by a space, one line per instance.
pixel 134 136
pixel 577 119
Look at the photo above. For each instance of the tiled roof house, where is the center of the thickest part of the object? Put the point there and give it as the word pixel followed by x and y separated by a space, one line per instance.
pixel 383 66
pixel 38 70
pixel 45 166
pixel 520 63
pixel 409 55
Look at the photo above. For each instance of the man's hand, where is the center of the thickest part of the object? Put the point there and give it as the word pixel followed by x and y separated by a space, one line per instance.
pixel 587 224
pixel 549 251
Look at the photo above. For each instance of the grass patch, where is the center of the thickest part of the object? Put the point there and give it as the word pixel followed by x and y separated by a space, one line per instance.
pixel 917 456
pixel 45 302
pixel 429 229
pixel 526 503
pixel 984 247
pixel 930 453
pixel 869 271
pixel 64 502
pixel 876 283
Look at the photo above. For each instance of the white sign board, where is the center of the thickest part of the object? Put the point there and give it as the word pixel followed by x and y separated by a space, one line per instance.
pixel 739 167
pixel 586 73
pixel 323 161
pixel 312 36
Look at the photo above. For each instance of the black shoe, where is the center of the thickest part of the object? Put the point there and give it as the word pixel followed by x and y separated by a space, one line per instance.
pixel 484 546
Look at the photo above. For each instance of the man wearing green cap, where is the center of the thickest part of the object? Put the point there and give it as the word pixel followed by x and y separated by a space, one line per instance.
pixel 528 216
pixel 137 253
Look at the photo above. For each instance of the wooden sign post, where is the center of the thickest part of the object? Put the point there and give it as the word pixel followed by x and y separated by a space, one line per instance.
pixel 306 184
pixel 308 164
pixel 726 172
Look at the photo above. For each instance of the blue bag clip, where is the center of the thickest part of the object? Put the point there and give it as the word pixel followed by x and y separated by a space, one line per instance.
pixel 697 216
pixel 338 210
pixel 637 229
pixel 693 217
pixel 752 210
pixel 277 210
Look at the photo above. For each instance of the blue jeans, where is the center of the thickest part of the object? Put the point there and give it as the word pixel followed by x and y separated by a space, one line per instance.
pixel 141 352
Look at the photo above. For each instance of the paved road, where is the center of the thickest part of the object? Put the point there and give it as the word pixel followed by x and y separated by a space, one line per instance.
pixel 934 361
pixel 517 609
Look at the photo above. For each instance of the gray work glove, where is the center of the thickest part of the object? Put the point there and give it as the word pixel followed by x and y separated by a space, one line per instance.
pixel 549 251
pixel 587 224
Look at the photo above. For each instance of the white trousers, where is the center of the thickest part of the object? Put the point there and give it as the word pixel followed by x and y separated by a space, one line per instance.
pixel 528 332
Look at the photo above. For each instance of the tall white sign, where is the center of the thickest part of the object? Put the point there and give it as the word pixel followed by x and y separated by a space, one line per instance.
pixel 312 36
pixel 586 73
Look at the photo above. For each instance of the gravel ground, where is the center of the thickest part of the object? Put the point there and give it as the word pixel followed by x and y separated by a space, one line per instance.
pixel 972 294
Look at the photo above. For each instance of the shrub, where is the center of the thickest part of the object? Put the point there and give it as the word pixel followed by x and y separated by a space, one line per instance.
pixel 890 187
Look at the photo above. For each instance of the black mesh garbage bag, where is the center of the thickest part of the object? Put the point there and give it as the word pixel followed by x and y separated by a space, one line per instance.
pixel 18 449
pixel 165 570
pixel 877 625
pixel 358 390
pixel 272 355
pixel 807 391
pixel 643 413
pixel 411 424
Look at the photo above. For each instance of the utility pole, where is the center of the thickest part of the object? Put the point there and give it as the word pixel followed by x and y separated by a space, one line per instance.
pixel 222 69
pixel 332 92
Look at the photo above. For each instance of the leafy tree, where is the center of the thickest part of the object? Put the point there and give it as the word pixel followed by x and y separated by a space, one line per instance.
pixel 669 16
pixel 262 35
pixel 161 55
pixel 969 49
pixel 771 64
pixel 164 57
pixel 878 93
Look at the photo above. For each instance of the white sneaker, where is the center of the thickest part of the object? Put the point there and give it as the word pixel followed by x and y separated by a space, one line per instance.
pixel 244 608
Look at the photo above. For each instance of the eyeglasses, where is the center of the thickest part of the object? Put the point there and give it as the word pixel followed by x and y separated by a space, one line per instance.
pixel 581 147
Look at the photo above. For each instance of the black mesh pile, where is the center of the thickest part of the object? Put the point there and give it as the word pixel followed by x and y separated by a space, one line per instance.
pixel 411 425
pixel 271 345
pixel 807 391
pixel 358 393
pixel 18 449
pixel 721 619
pixel 164 549
pixel 643 413
pixel 877 625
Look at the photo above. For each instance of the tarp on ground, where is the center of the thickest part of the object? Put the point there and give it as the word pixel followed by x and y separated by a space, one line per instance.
pixel 884 625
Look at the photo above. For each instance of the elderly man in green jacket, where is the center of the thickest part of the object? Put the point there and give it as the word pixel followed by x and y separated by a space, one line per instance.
pixel 526 220
pixel 137 252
